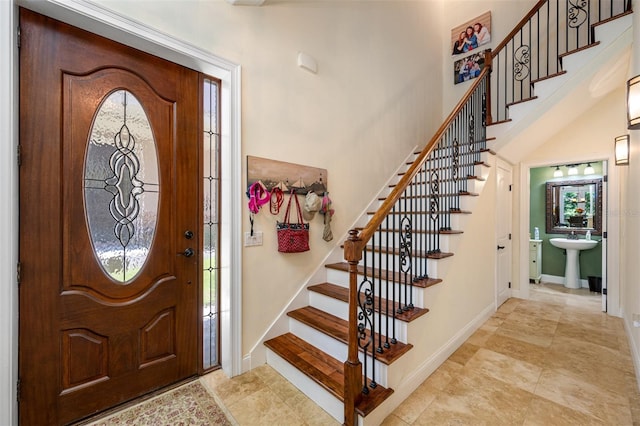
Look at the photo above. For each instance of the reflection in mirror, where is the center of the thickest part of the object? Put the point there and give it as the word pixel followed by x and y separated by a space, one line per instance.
pixel 574 205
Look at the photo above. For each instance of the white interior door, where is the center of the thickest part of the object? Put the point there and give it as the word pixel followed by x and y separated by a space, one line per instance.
pixel 503 232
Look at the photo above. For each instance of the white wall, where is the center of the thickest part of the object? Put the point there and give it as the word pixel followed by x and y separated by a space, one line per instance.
pixel 375 96
pixel 8 217
pixel 630 213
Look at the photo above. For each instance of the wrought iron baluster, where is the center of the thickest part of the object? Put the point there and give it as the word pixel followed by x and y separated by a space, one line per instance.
pixel 378 267
pixel 388 309
pixel 365 302
pixel 394 285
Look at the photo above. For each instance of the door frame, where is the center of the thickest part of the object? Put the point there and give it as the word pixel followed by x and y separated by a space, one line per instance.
pixel 104 22
pixel 9 213
pixel 610 205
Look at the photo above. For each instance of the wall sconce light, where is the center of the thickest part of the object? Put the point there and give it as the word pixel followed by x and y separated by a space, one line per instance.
pixel 573 169
pixel 589 170
pixel 557 172
pixel 621 149
pixel 633 103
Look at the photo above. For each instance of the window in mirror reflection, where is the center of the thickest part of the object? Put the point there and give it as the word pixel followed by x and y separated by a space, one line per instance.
pixel 576 208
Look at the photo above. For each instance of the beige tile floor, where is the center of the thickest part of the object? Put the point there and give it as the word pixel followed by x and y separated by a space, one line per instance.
pixel 552 360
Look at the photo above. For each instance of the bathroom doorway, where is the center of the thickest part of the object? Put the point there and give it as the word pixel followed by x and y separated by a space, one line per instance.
pixel 565 200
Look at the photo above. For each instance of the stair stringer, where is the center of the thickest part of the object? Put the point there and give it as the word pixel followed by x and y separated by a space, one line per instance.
pixel 567 95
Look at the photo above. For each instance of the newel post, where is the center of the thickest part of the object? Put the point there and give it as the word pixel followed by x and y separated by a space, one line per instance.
pixel 352 366
pixel 488 62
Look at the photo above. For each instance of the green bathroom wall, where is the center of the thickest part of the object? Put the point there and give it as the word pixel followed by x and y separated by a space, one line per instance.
pixel 553 258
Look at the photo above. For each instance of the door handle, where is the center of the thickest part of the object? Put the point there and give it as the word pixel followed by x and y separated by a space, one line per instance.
pixel 500 247
pixel 188 252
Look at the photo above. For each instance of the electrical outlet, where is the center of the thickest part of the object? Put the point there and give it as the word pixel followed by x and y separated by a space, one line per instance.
pixel 253 240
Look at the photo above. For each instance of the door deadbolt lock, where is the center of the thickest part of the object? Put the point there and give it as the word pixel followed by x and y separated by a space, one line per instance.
pixel 188 235
pixel 188 252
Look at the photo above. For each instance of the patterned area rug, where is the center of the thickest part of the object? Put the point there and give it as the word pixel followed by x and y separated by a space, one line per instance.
pixel 190 404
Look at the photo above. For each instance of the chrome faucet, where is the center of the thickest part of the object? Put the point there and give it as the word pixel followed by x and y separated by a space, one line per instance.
pixel 572 236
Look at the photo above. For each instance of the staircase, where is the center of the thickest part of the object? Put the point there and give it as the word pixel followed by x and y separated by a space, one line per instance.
pixel 357 339
pixel 317 342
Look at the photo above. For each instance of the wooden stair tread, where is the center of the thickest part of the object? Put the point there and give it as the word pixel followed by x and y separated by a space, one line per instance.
pixel 465 143
pixel 377 273
pixel 547 77
pixel 323 369
pixel 495 123
pixel 342 293
pixel 580 49
pixel 428 232
pixel 418 253
pixel 423 182
pixel 446 194
pixel 339 330
pixel 421 212
pixel 444 167
pixel 314 363
pixel 613 18
pixel 532 98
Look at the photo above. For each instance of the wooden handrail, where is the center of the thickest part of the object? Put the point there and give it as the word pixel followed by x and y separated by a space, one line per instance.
pixel 368 231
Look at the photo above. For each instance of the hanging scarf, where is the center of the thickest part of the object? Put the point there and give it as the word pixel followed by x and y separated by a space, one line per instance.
pixel 328 212
pixel 258 196
pixel 277 197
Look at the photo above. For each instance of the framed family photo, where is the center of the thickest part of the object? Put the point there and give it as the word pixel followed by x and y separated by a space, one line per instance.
pixel 471 35
pixel 468 67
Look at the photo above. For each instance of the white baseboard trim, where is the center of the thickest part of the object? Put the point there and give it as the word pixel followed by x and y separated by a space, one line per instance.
pixel 635 353
pixel 246 363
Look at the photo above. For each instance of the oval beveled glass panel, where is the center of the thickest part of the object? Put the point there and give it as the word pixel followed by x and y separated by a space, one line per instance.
pixel 121 186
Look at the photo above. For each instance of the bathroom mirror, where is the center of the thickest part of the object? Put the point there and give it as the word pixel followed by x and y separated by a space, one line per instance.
pixel 574 205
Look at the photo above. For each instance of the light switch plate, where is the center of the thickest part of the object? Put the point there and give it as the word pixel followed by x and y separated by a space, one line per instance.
pixel 253 240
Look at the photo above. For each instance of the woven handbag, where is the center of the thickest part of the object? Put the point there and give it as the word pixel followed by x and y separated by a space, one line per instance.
pixel 293 237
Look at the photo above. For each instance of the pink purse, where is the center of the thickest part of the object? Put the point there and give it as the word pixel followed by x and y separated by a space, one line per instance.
pixel 293 237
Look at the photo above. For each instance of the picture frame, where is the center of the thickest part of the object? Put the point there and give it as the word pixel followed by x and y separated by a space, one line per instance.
pixel 468 68
pixel 471 35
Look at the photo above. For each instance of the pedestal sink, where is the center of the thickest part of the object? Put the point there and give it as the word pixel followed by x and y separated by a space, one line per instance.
pixel 572 268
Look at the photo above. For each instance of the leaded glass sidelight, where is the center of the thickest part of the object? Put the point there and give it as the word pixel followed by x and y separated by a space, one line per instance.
pixel 211 216
pixel 121 186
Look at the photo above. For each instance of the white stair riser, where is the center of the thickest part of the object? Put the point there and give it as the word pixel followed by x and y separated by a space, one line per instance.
pixel 314 391
pixel 433 267
pixel 471 185
pixel 421 240
pixel 422 203
pixel 335 348
pixel 416 294
pixel 341 310
pixel 607 33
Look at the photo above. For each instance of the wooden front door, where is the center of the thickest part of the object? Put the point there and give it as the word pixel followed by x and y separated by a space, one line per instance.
pixel 108 216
